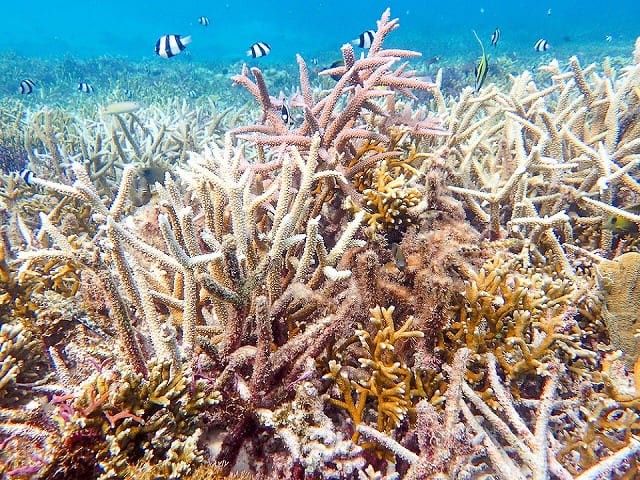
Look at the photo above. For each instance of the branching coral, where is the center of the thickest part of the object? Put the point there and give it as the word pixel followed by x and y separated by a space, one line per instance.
pixel 515 442
pixel 21 363
pixel 310 437
pixel 523 313
pixel 194 287
pixel 128 419
pixel 380 378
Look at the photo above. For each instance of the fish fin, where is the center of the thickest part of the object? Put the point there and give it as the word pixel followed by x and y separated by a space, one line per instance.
pixel 186 40
pixel 479 41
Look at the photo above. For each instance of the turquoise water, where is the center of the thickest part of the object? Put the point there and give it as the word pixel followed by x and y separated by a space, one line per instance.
pixel 120 28
pixel 111 45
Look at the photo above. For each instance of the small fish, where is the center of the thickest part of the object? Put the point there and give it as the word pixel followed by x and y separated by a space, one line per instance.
pixel 431 60
pixel 365 40
pixel 122 107
pixel 541 45
pixel 549 12
pixel 619 224
pixel 204 21
pixel 85 87
pixel 495 37
pixel 336 64
pixel 608 38
pixel 171 45
pixel 27 86
pixel 398 256
pixel 481 69
pixel 284 114
pixel 26 175
pixel 192 94
pixel 127 93
pixel 258 49
pixel 146 177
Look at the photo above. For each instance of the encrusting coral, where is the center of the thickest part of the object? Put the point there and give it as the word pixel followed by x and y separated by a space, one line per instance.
pixel 388 287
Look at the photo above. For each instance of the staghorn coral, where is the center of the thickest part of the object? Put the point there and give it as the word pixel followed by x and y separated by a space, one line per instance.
pixel 338 117
pixel 237 266
pixel 247 272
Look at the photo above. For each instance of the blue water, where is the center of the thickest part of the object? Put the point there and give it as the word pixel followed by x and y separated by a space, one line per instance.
pixel 92 28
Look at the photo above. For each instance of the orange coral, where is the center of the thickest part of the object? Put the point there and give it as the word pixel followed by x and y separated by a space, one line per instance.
pixel 382 377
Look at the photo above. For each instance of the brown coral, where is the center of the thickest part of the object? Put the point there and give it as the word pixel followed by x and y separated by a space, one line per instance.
pixel 620 285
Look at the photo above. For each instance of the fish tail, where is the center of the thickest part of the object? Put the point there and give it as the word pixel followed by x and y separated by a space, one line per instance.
pixel 186 40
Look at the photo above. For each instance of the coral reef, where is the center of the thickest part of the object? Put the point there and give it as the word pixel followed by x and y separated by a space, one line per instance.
pixel 401 283
pixel 149 426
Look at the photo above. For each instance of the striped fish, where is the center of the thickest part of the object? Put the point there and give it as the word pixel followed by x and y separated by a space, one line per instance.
pixel 171 45
pixel 258 49
pixel 26 175
pixel 541 45
pixel 365 40
pixel 481 69
pixel 84 87
pixel 27 86
pixel 495 37
pixel 284 114
pixel 204 21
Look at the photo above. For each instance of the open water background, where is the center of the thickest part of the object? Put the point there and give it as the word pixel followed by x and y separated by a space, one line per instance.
pixel 93 28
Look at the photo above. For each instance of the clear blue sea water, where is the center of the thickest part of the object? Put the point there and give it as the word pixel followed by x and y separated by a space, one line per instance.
pixel 92 28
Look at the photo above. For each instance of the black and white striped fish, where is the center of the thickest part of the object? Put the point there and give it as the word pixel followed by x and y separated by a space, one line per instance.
pixel 204 21
pixel 192 94
pixel 541 45
pixel 27 86
pixel 171 45
pixel 495 37
pixel 26 175
pixel 127 93
pixel 258 49
pixel 85 87
pixel 364 40
pixel 284 114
